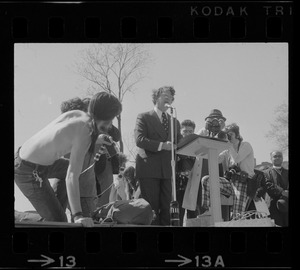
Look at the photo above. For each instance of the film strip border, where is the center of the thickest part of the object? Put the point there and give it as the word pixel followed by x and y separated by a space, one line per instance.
pixel 148 247
pixel 149 22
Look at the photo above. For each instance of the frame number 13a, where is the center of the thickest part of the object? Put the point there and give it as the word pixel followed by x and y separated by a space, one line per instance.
pixel 206 261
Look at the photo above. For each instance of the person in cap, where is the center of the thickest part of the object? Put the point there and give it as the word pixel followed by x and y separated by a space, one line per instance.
pixel 215 120
pixel 277 187
pixel 75 132
pixel 210 131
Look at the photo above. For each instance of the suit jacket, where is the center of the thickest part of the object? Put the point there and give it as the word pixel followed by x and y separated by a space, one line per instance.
pixel 276 183
pixel 149 132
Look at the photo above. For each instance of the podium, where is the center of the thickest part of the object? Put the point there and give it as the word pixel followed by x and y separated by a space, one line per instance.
pixel 206 147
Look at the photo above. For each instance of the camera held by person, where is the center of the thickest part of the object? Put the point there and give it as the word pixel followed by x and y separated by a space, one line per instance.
pixel 112 149
pixel 235 173
pixel 214 126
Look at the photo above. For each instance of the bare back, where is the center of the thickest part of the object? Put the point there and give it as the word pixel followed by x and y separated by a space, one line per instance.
pixel 57 138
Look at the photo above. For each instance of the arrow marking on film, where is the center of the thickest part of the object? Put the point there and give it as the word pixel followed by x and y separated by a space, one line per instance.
pixel 183 262
pixel 47 261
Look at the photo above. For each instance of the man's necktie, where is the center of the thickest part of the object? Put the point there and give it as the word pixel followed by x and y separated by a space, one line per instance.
pixel 279 170
pixel 165 122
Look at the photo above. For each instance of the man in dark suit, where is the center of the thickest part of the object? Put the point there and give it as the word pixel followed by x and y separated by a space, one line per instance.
pixel 153 161
pixel 277 186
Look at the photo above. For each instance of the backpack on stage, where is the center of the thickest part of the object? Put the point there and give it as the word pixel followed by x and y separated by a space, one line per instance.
pixel 136 211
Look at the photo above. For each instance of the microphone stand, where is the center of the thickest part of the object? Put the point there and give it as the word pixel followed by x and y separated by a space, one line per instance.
pixel 174 206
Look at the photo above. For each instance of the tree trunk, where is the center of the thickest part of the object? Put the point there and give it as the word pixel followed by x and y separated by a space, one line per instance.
pixel 119 127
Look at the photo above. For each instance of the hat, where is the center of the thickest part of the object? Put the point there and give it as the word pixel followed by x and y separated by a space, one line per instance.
pixel 216 114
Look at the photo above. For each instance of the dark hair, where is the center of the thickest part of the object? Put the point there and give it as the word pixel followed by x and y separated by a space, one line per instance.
pixel 104 106
pixel 234 128
pixel 72 104
pixel 188 123
pixel 129 172
pixel 157 92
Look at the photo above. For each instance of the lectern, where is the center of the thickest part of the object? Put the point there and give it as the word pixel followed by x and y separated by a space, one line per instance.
pixel 206 147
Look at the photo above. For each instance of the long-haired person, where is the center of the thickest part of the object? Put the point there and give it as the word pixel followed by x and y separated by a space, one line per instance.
pixel 75 132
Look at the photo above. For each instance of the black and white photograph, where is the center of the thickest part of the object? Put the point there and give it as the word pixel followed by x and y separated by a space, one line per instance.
pixel 151 134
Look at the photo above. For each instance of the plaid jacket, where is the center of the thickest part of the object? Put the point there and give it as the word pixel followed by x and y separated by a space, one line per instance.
pixel 227 188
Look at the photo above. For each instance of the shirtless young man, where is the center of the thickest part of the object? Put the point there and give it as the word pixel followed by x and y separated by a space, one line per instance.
pixel 74 132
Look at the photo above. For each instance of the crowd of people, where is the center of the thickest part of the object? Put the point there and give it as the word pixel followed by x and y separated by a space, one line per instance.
pixel 74 163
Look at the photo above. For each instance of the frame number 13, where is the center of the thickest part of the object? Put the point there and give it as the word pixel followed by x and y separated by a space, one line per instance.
pixel 68 261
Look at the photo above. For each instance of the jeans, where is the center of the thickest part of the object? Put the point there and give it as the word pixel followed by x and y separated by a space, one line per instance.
pixel 88 206
pixel 38 189
pixel 60 190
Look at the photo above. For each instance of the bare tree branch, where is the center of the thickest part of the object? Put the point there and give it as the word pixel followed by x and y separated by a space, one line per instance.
pixel 279 128
pixel 115 68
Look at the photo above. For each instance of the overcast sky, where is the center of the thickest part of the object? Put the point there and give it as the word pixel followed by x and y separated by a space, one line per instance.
pixel 246 81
